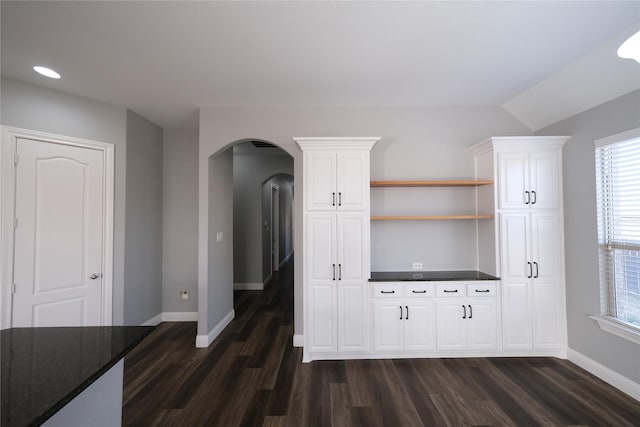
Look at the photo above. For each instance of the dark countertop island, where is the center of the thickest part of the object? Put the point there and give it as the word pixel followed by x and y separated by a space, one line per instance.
pixel 445 276
pixel 43 369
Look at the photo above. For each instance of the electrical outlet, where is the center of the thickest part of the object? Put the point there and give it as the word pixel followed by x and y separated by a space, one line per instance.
pixel 417 266
pixel 219 236
pixel 184 295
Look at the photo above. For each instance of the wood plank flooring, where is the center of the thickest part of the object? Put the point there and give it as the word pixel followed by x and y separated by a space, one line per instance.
pixel 252 376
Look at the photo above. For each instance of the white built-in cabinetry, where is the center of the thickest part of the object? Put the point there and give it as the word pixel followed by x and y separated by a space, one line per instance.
pixel 527 237
pixel 467 316
pixel 404 316
pixel 336 246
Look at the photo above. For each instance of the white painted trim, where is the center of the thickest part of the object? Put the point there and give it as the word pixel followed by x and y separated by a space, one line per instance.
pixel 7 209
pixel 256 286
pixel 180 316
pixel 203 341
pixel 616 327
pixel 619 137
pixel 172 316
pixel 298 340
pixel 617 380
pixel 154 321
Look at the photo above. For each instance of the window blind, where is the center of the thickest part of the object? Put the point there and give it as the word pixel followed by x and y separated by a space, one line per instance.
pixel 618 196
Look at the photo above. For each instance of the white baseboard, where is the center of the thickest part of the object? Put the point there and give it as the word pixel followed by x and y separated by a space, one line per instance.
pixel 257 286
pixel 298 340
pixel 620 382
pixel 172 316
pixel 154 321
pixel 203 341
pixel 180 316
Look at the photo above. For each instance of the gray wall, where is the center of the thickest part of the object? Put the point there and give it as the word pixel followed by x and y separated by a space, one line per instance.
pixel 416 143
pixel 143 227
pixel 179 221
pixel 217 295
pixel 250 171
pixel 581 232
pixel 37 108
pixel 284 182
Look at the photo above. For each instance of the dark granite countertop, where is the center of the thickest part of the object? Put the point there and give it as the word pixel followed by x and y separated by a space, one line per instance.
pixel 45 368
pixel 412 276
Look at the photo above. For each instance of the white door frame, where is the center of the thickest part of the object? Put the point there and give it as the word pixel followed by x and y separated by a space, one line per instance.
pixel 10 136
pixel 275 228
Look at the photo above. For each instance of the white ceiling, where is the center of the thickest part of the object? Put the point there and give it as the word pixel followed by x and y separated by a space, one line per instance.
pixel 166 59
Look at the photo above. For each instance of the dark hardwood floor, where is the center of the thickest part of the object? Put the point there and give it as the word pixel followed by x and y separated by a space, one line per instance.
pixel 252 376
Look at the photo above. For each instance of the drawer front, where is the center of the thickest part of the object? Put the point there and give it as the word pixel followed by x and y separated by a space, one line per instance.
pixel 451 289
pixel 387 291
pixel 419 290
pixel 487 289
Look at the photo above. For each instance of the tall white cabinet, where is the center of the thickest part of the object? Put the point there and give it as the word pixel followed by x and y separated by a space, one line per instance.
pixel 336 246
pixel 525 246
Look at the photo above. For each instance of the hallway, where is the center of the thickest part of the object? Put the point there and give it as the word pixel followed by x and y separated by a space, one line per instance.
pixel 252 376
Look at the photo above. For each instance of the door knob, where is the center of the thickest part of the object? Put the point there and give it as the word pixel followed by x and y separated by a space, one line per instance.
pixel 94 276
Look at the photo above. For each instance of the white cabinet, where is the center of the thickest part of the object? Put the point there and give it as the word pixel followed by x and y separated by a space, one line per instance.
pixel 336 246
pixel 531 259
pixel 337 181
pixel 529 255
pixel 337 270
pixel 404 318
pixel 467 316
pixel 529 180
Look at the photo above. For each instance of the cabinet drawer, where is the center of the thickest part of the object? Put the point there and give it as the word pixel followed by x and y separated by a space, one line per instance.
pixel 421 290
pixel 481 289
pixel 451 289
pixel 387 291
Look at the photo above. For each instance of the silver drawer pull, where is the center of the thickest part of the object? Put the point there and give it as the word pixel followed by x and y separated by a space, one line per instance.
pixel 483 291
pixel 387 292
pixel 419 292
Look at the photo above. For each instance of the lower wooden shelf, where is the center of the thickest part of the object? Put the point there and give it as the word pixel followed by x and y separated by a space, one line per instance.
pixel 427 217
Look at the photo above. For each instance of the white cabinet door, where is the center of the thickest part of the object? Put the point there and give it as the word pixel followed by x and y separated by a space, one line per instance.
pixel 353 328
pixel 320 181
pixel 516 315
pixel 546 245
pixel 514 246
pixel 321 249
pixel 388 325
pixel 322 318
pixel 513 180
pixel 352 248
pixel 353 181
pixel 544 180
pixel 546 315
pixel 451 325
pixel 482 324
pixel 420 325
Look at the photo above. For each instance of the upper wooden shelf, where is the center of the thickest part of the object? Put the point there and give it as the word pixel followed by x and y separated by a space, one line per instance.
pixel 433 183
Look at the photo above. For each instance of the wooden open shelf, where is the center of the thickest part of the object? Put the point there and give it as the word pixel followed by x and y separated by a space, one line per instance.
pixel 433 183
pixel 426 217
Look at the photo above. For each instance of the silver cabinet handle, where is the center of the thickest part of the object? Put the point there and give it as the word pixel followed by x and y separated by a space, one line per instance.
pixel 94 276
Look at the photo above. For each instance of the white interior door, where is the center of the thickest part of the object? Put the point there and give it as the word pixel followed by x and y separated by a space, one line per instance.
pixel 59 235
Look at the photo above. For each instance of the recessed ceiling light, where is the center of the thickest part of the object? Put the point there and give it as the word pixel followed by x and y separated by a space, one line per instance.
pixel 47 72
pixel 630 49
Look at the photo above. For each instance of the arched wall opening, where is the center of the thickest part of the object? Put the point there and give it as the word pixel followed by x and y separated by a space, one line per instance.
pixel 230 251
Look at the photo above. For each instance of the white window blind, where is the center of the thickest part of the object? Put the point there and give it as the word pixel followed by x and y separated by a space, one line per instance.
pixel 618 193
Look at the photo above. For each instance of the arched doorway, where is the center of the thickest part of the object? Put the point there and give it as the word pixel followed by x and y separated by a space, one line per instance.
pixel 233 241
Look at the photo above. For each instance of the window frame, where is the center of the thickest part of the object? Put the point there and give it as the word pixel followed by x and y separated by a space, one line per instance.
pixel 605 320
